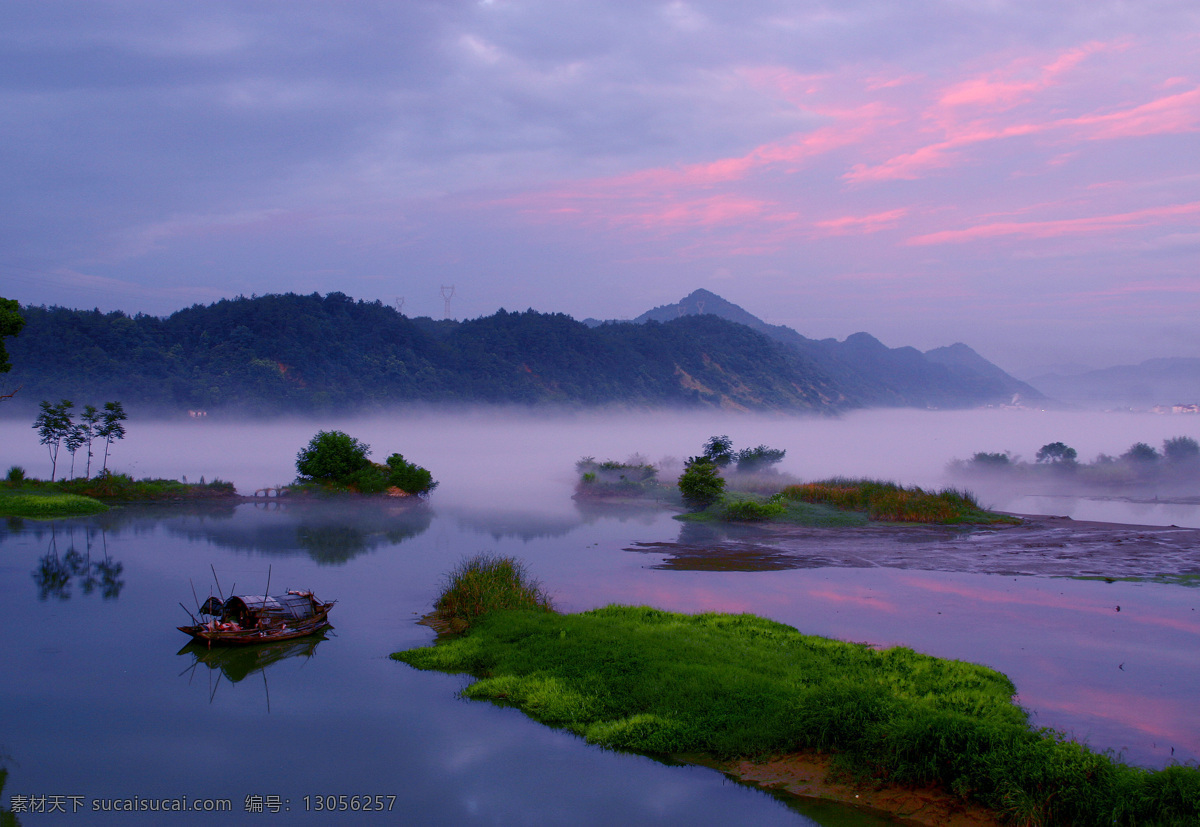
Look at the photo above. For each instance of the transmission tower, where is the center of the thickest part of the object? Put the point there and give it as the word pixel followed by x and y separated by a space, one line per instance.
pixel 699 307
pixel 447 294
pixel 400 305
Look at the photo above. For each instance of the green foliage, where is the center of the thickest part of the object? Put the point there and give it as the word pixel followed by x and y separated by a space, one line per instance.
pixel 110 427
pixel 487 583
pixel 751 460
pixel 332 456
pixel 747 509
pixel 616 479
pixel 409 477
pixel 729 686
pixel 15 474
pixel 719 450
pixel 889 502
pixel 701 483
pixel 300 354
pixel 1056 452
pixel 11 323
pixel 53 425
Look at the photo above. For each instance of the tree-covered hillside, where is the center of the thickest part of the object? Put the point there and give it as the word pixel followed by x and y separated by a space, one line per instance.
pixel 301 354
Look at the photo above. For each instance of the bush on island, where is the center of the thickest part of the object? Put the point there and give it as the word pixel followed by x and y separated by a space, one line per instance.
pixel 701 483
pixel 338 459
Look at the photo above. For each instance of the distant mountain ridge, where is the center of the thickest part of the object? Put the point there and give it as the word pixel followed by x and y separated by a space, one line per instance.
pixel 1166 381
pixel 298 354
pixel 953 376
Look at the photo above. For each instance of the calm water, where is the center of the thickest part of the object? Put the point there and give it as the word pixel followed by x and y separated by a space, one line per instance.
pixel 100 701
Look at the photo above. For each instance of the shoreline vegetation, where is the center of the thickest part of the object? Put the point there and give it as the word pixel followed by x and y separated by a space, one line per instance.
pixel 1175 467
pixel 22 496
pixel 721 485
pixel 765 703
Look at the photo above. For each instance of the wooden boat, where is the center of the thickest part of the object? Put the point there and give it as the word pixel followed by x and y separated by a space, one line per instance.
pixel 246 620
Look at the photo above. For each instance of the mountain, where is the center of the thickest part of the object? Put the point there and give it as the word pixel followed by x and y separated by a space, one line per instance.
pixel 948 377
pixel 307 354
pixel 311 354
pixel 1169 381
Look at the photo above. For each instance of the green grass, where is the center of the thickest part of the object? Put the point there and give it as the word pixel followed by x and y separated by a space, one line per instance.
pixel 744 507
pixel 636 678
pixel 888 502
pixel 485 583
pixel 122 488
pixel 47 506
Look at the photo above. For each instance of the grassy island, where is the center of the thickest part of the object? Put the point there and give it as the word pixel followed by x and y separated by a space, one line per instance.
pixel 721 687
pixel 22 496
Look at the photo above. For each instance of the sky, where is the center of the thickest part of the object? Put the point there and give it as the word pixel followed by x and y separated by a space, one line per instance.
pixel 1023 177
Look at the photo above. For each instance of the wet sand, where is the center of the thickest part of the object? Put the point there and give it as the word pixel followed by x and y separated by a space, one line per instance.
pixel 1040 545
pixel 809 775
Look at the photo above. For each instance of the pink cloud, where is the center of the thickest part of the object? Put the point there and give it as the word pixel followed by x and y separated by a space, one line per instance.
pixel 1175 113
pixel 1059 227
pixel 872 223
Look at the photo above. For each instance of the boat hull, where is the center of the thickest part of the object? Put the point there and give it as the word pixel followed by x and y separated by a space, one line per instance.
pixel 252 637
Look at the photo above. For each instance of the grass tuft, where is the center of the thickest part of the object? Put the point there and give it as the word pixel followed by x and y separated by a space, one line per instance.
pixel 485 583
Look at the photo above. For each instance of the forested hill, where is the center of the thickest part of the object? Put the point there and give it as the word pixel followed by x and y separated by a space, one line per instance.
pixel 307 354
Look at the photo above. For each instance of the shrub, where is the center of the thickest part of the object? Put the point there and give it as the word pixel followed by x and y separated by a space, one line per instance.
pixel 409 477
pixel 701 484
pixel 750 509
pixel 616 479
pixel 15 474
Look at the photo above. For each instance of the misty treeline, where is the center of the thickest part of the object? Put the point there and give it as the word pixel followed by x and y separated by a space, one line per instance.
pixel 309 354
pixel 1177 461
pixel 299 354
pixel 57 429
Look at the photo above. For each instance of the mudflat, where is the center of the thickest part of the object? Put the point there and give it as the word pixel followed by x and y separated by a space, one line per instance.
pixel 1040 545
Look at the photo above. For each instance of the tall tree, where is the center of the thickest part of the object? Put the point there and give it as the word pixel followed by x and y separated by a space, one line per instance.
pixel 54 424
pixel 111 428
pixel 90 427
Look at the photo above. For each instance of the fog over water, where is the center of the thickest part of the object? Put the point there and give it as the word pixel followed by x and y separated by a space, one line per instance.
pixel 516 460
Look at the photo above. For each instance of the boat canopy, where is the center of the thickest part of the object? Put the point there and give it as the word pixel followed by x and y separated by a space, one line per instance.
pixel 292 606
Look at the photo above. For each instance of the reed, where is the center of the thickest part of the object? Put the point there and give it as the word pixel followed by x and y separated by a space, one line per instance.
pixel 485 583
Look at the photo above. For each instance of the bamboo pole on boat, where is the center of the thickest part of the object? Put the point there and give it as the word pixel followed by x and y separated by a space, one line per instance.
pixel 218 582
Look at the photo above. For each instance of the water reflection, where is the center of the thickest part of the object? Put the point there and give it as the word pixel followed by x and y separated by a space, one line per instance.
pixel 54 573
pixel 331 532
pixel 236 663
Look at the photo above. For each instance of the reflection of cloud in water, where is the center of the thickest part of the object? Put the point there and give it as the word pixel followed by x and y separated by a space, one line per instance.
pixel 329 531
